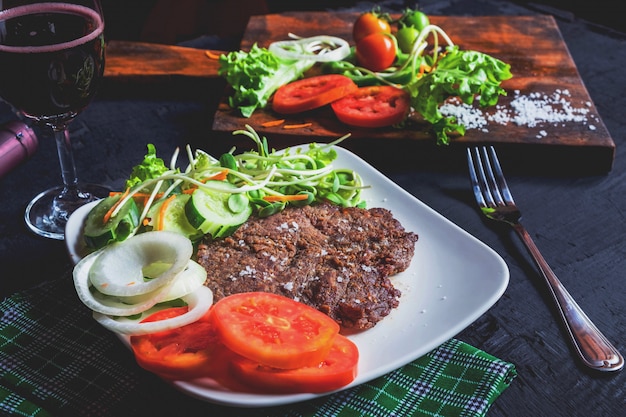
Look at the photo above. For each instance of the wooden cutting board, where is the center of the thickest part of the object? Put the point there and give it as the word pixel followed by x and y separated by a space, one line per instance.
pixel 133 60
pixel 541 65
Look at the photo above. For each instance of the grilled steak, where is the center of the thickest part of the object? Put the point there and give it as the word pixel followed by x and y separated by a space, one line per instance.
pixel 337 260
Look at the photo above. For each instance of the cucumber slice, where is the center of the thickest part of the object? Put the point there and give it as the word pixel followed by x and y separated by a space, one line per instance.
pixel 215 213
pixel 98 234
pixel 174 219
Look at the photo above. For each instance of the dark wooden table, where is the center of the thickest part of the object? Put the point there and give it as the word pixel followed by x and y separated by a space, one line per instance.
pixel 577 219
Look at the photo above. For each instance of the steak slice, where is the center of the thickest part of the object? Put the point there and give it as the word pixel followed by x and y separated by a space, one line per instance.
pixel 335 259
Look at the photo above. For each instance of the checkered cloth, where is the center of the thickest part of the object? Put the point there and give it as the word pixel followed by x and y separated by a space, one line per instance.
pixel 55 360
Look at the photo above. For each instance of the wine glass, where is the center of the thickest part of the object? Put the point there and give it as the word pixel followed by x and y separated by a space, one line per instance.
pixel 52 55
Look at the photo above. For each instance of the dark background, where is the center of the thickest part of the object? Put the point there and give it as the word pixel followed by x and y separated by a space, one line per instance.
pixel 175 21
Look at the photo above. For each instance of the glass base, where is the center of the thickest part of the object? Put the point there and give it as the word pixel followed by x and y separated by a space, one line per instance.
pixel 47 214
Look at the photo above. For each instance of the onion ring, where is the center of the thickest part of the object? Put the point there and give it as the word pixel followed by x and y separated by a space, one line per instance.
pixel 187 281
pixel 199 302
pixel 313 48
pixel 119 270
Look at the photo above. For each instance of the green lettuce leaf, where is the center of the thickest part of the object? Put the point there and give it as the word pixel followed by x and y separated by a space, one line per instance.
pixel 254 76
pixel 466 74
pixel 151 167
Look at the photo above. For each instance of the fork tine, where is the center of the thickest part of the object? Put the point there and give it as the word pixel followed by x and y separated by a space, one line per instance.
pixel 489 178
pixel 484 186
pixel 488 182
pixel 476 185
pixel 499 177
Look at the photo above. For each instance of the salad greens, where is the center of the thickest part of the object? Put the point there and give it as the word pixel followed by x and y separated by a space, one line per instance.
pixel 260 181
pixel 256 75
pixel 150 167
pixel 432 78
pixel 465 74
pixel 429 72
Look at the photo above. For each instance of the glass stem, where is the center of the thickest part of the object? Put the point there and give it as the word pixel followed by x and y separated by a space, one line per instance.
pixel 66 159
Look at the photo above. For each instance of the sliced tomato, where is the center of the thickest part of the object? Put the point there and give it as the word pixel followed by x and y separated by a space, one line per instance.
pixel 373 106
pixel 274 330
pixel 182 353
pixel 311 93
pixel 337 370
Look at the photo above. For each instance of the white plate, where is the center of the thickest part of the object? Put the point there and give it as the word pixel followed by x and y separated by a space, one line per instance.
pixel 453 279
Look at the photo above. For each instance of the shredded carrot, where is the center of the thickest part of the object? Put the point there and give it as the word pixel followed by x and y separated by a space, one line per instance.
pixel 300 126
pixel 138 197
pixel 211 55
pixel 293 197
pixel 144 195
pixel 146 221
pixel 220 176
pixel 273 123
pixel 163 209
pixel 107 215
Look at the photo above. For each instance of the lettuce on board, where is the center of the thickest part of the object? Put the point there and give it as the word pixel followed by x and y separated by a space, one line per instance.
pixel 255 75
pixel 466 74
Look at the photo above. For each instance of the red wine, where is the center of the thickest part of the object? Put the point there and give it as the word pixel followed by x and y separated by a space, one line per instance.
pixel 52 57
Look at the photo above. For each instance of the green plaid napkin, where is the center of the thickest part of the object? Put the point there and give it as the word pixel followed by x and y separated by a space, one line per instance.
pixel 55 360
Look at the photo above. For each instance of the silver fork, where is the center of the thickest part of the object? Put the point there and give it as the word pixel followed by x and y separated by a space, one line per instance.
pixel 495 201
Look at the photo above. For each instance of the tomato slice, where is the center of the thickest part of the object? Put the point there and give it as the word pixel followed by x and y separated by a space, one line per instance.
pixel 337 370
pixel 185 352
pixel 274 330
pixel 373 106
pixel 311 93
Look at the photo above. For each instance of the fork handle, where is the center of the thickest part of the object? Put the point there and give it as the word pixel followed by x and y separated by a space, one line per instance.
pixel 592 346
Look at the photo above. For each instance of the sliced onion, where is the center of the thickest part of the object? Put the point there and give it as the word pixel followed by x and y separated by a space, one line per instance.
pixel 119 269
pixel 117 306
pixel 312 49
pixel 198 301
pixel 188 280
pixel 81 278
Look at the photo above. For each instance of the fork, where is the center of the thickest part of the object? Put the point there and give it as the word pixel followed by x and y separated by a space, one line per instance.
pixel 496 202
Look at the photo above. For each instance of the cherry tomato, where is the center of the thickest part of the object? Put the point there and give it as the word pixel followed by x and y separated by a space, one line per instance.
pixel 368 23
pixel 182 353
pixel 338 369
pixel 414 18
pixel 374 106
pixel 406 37
pixel 273 330
pixel 376 52
pixel 311 93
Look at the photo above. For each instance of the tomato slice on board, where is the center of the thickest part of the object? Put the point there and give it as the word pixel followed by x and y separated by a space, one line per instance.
pixel 274 330
pixel 373 106
pixel 337 370
pixel 185 352
pixel 311 93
